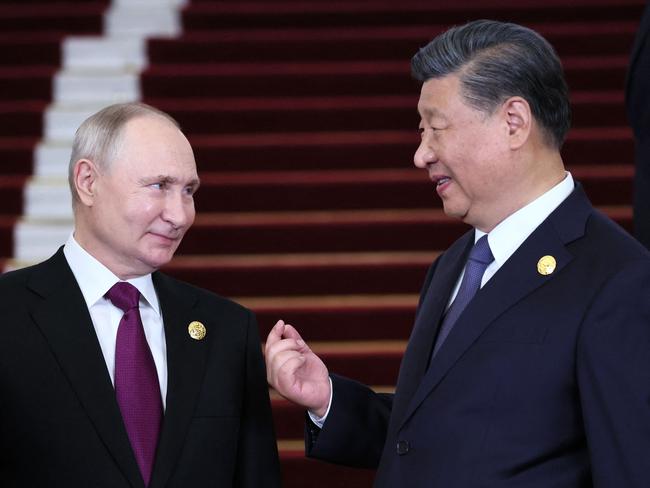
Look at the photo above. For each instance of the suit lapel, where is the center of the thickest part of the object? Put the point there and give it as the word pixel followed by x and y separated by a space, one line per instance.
pixel 186 361
pixel 64 320
pixel 517 278
pixel 420 344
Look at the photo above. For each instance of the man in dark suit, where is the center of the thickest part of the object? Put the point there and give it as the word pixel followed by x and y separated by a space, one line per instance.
pixel 637 98
pixel 528 364
pixel 112 373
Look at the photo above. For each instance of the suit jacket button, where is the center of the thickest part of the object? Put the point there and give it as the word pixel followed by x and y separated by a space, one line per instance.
pixel 402 447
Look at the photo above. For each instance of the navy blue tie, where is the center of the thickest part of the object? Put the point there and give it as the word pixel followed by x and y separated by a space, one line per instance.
pixel 479 259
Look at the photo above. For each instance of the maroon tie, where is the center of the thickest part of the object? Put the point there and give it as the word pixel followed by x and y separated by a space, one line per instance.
pixel 136 380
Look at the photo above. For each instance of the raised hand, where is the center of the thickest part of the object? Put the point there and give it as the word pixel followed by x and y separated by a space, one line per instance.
pixel 295 371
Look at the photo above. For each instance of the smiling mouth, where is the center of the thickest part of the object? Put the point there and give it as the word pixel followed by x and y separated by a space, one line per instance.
pixel 442 181
pixel 164 236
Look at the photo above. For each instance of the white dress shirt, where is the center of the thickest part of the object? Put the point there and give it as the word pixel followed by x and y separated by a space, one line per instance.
pixel 511 233
pixel 504 240
pixel 95 280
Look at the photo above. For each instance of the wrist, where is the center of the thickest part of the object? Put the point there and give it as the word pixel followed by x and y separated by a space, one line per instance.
pixel 320 412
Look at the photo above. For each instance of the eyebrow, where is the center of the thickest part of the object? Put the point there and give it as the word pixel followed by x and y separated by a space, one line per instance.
pixel 430 112
pixel 195 182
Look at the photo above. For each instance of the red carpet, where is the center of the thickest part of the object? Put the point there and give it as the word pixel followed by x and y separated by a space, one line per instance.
pixel 302 116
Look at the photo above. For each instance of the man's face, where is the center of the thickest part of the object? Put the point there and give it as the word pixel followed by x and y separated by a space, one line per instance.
pixel 143 203
pixel 465 153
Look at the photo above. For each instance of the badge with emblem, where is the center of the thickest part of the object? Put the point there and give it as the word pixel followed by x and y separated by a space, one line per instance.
pixel 546 265
pixel 196 330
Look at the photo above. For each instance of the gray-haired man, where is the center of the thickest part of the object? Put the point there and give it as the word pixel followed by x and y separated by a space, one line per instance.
pixel 114 374
pixel 528 363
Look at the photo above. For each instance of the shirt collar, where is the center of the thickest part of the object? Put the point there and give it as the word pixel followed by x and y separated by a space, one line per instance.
pixel 95 279
pixel 506 237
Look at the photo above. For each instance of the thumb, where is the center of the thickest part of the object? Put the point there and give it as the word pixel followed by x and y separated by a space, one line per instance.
pixel 275 335
pixel 290 332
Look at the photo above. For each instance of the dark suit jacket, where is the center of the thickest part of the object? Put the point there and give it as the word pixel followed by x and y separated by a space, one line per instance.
pixel 60 425
pixel 543 382
pixel 637 98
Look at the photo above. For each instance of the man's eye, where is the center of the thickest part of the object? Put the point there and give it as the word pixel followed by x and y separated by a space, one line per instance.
pixel 159 185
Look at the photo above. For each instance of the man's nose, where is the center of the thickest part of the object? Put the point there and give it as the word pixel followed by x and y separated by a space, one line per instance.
pixel 179 210
pixel 423 155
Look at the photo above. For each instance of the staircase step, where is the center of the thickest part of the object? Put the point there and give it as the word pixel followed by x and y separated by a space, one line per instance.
pixel 80 17
pixel 372 149
pixel 227 233
pixel 327 150
pixel 305 274
pixel 359 113
pixel 32 48
pixel 16 155
pixel 367 189
pixel 370 362
pixel 22 118
pixel 363 43
pixel 32 83
pixel 11 194
pixel 321 231
pixel 275 191
pixel 331 231
pixel 212 15
pixel 338 317
pixel 309 114
pixel 337 78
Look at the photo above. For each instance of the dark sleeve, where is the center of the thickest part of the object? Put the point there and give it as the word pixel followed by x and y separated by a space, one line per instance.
pixel 613 370
pixel 257 457
pixel 354 432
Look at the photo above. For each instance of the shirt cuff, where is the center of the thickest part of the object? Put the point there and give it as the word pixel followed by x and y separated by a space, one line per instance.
pixel 319 421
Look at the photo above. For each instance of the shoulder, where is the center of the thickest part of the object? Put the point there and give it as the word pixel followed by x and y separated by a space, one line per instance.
pixel 19 279
pixel 611 264
pixel 606 241
pixel 203 298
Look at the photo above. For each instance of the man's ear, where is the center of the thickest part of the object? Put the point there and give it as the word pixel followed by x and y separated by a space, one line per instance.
pixel 519 120
pixel 85 176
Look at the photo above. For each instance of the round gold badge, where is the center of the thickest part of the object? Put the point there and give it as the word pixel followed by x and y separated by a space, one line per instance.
pixel 196 330
pixel 546 265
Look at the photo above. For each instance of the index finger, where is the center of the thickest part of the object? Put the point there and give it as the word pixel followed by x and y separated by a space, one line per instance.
pixel 276 334
pixel 290 332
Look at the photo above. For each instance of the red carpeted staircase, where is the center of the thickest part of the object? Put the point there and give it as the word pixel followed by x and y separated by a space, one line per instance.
pixel 303 119
pixel 31 32
pixel 302 116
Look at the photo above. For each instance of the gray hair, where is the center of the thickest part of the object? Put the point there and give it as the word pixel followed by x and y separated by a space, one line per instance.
pixel 498 60
pixel 99 137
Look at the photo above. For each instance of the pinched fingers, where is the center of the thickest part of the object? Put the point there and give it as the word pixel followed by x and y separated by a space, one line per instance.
pixel 275 335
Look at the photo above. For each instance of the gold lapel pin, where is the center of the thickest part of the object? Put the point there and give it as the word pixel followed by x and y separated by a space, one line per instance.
pixel 196 330
pixel 546 265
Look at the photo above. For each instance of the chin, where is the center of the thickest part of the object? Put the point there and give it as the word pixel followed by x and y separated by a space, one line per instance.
pixel 156 259
pixel 455 213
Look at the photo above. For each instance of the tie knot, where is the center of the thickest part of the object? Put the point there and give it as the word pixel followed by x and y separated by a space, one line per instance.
pixel 123 295
pixel 481 251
